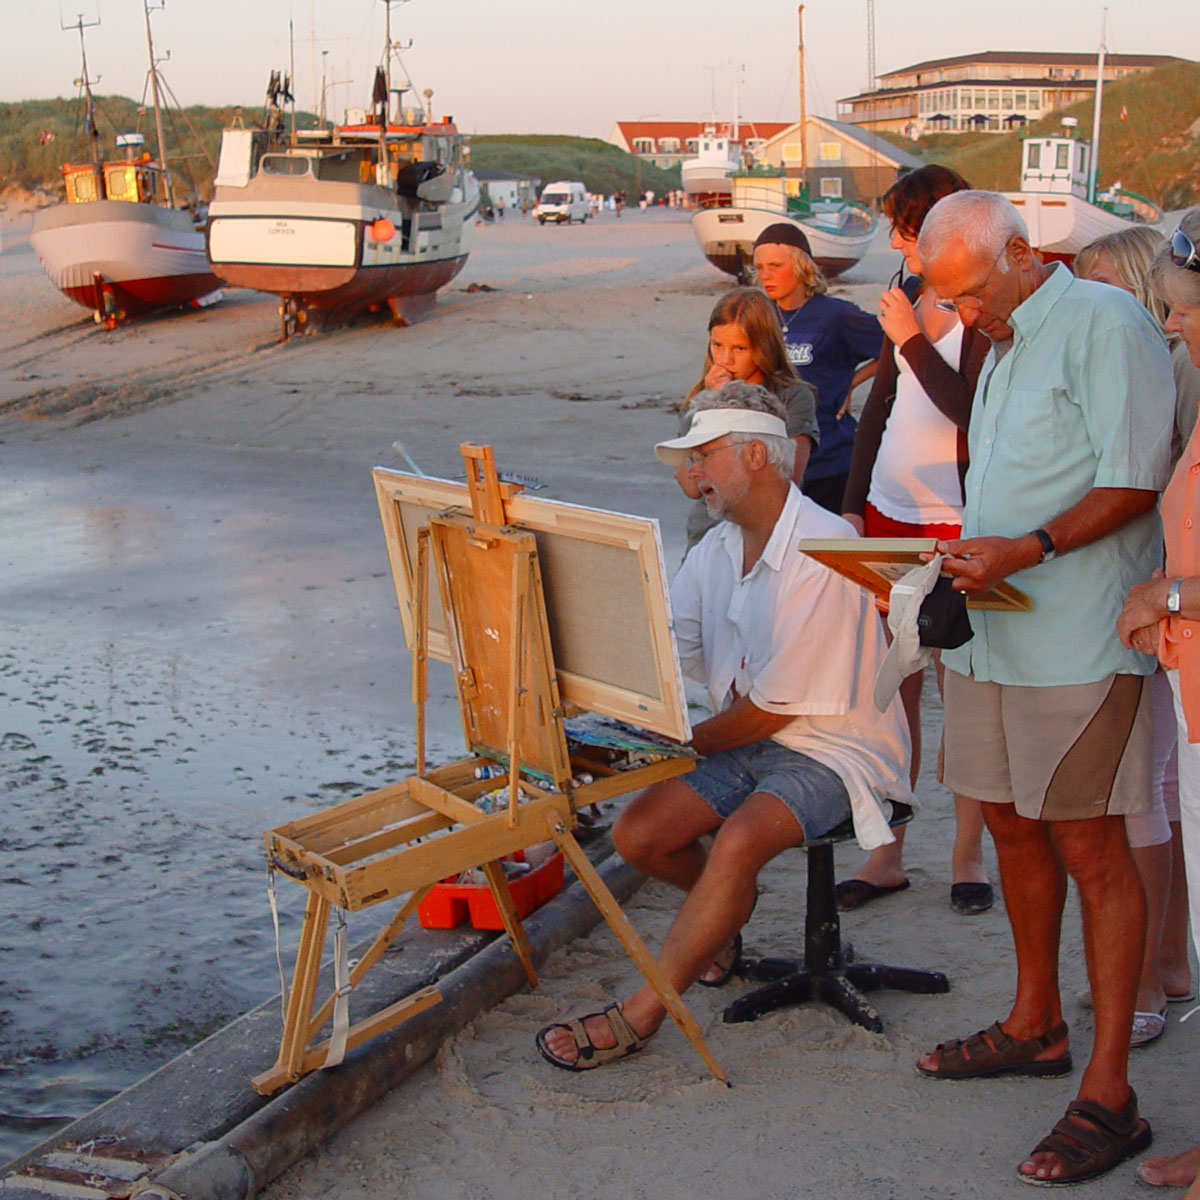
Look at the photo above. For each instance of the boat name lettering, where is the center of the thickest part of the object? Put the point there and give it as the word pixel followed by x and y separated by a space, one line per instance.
pixel 282 227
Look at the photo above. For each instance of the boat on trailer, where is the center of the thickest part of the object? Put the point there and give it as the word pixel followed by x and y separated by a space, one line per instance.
pixel 120 245
pixel 379 210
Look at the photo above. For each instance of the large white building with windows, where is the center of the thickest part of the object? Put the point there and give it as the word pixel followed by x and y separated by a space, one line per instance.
pixel 990 92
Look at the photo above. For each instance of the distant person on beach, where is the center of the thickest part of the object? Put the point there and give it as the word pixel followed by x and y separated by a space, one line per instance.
pixel 832 344
pixel 1047 712
pixel 744 343
pixel 1124 260
pixel 906 472
pixel 1162 615
pixel 788 650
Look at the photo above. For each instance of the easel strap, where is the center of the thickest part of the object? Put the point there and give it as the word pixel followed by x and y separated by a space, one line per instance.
pixel 342 989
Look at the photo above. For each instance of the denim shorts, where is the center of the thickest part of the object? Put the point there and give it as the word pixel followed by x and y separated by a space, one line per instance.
pixel 815 795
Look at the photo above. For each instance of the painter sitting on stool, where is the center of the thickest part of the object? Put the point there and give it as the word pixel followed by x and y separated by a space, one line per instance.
pixel 789 652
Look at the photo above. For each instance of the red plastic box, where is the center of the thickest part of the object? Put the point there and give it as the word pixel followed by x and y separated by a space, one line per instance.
pixel 449 904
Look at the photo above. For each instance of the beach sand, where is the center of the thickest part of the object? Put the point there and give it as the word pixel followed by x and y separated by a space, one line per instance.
pixel 188 517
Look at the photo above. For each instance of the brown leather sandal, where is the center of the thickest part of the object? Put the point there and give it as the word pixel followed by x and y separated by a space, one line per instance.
pixel 1092 1143
pixel 992 1052
pixel 591 1055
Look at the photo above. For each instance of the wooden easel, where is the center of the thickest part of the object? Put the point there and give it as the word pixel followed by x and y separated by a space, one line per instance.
pixel 382 845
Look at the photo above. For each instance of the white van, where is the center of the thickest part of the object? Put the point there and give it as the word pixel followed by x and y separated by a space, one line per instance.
pixel 564 201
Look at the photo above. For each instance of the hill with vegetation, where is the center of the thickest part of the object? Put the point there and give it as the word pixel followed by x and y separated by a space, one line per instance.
pixel 38 136
pixel 1154 151
pixel 600 166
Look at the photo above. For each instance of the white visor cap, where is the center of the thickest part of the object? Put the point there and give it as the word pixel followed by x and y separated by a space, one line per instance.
pixel 711 423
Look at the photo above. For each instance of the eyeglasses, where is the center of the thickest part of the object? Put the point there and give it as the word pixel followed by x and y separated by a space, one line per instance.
pixel 1183 251
pixel 973 302
pixel 699 457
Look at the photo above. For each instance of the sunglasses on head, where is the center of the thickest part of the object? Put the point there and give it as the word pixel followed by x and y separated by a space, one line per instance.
pixel 1183 251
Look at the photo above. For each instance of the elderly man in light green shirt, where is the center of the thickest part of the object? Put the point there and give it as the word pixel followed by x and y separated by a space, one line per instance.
pixel 1047 718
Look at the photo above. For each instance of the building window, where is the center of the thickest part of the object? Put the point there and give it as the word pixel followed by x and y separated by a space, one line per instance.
pixel 668 145
pixel 643 145
pixel 691 145
pixel 831 152
pixel 1035 101
pixel 1018 101
pixel 791 152
pixel 831 187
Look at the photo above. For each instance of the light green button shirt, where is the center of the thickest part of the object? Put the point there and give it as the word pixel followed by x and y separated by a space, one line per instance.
pixel 1084 398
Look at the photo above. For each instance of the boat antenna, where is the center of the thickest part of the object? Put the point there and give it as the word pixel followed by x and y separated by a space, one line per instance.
pixel 390 48
pixel 1091 192
pixel 158 126
pixel 803 103
pixel 93 134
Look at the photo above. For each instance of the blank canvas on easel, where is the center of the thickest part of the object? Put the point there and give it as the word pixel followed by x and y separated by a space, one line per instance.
pixel 605 581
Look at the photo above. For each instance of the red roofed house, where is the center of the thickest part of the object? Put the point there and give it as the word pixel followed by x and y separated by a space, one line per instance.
pixel 666 144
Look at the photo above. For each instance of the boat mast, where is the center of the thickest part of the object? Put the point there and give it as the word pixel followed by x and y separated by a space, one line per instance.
pixel 89 113
pixel 158 126
pixel 803 104
pixel 1092 165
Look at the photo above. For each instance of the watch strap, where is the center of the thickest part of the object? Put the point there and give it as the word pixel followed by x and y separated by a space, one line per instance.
pixel 1047 543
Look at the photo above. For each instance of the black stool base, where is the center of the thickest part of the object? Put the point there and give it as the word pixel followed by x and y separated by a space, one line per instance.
pixel 842 988
pixel 828 972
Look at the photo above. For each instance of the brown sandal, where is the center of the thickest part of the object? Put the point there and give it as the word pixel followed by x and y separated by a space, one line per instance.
pixel 591 1055
pixel 992 1052
pixel 1090 1147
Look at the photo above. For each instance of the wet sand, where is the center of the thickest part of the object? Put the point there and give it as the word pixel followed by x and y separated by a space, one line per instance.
pixel 199 639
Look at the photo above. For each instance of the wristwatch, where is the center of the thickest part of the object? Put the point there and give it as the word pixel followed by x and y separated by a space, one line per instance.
pixel 1173 596
pixel 1048 550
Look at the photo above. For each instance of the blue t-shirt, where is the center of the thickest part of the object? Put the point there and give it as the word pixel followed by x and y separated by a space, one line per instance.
pixel 827 339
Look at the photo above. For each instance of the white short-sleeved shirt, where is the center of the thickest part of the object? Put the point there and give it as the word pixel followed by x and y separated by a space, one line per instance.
pixel 800 640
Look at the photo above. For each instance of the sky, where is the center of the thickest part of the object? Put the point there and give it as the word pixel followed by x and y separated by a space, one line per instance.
pixel 553 66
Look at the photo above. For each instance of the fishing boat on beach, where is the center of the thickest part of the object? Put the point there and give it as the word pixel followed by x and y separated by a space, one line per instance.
pixel 378 210
pixel 838 231
pixel 1059 197
pixel 707 177
pixel 121 246
pixel 1056 180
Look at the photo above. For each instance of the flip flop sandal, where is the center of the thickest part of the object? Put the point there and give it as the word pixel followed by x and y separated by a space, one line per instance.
pixel 1147 1027
pixel 992 1052
pixel 854 893
pixel 590 1055
pixel 725 973
pixel 1091 1147
pixel 971 899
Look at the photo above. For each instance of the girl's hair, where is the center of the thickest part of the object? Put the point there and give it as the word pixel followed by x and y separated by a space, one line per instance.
pixel 910 198
pixel 1131 252
pixel 754 315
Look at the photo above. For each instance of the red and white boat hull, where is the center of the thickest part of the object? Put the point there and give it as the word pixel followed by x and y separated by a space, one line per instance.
pixel 122 259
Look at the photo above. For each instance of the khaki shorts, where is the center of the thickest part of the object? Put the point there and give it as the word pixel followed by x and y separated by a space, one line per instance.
pixel 1058 753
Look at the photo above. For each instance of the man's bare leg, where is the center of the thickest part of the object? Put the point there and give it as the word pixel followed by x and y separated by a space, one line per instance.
pixel 1035 890
pixel 1176 970
pixel 1095 853
pixel 717 906
pixel 1154 868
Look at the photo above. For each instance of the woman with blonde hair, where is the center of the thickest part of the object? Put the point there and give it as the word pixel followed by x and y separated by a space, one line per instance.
pixel 1162 615
pixel 744 343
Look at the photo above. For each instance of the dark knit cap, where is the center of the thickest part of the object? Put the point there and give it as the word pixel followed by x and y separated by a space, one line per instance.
pixel 783 233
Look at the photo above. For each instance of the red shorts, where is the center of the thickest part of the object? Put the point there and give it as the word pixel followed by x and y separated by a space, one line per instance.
pixel 875 524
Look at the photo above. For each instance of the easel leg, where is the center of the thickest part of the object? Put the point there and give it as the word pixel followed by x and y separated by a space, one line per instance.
pixel 304 985
pixel 383 939
pixel 634 946
pixel 512 923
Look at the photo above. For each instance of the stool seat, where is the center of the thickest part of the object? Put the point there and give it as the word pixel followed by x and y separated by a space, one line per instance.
pixel 828 972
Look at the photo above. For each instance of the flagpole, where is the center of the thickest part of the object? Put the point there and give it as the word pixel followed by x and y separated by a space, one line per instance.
pixel 1092 166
